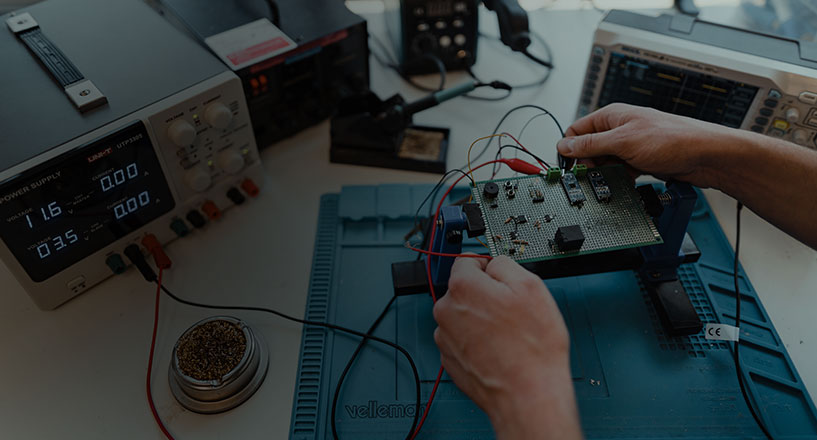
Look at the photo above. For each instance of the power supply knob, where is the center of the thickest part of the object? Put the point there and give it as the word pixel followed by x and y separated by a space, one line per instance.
pixel 198 179
pixel 800 137
pixel 181 133
pixel 792 115
pixel 230 161
pixel 218 115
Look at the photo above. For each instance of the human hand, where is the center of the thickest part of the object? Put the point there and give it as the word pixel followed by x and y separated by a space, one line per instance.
pixel 504 343
pixel 651 142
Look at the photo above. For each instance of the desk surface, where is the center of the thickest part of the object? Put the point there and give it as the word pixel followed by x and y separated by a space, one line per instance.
pixel 78 371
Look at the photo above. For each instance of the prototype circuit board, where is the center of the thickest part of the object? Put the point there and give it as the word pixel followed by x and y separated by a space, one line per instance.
pixel 535 218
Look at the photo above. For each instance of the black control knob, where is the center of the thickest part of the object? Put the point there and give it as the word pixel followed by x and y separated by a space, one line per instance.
pixel 490 190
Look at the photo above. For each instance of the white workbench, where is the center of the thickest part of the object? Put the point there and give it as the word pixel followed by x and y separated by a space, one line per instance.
pixel 78 371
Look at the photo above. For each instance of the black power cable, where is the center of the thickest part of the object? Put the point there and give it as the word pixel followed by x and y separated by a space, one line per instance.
pixel 348 367
pixel 365 336
pixel 737 324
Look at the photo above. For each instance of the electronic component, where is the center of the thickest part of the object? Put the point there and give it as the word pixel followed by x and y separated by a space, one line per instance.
pixel 618 223
pixel 80 186
pixel 572 189
pixel 490 190
pixel 580 170
pixel 716 73
pixel 295 68
pixel 554 174
pixel 600 187
pixel 448 29
pixel 569 238
pixel 536 195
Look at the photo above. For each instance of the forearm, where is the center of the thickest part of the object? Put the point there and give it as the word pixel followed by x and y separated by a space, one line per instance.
pixel 542 411
pixel 775 179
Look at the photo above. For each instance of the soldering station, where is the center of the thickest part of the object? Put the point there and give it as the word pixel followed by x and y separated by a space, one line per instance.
pixel 132 127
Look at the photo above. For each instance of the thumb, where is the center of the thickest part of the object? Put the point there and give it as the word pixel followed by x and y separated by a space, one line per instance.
pixel 585 146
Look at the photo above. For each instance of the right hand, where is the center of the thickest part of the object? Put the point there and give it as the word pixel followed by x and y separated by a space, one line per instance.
pixel 664 145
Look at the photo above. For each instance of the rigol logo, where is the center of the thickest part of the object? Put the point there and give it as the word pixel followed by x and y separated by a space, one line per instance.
pixel 374 410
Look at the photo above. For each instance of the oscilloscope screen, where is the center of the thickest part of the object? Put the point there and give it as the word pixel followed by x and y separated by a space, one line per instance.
pixel 674 90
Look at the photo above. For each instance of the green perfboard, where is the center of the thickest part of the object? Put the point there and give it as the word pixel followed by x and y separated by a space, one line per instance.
pixel 619 223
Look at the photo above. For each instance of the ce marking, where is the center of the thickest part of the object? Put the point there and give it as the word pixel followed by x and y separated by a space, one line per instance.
pixel 716 332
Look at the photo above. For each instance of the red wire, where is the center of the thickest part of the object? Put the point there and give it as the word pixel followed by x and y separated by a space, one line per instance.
pixel 440 254
pixel 433 294
pixel 150 359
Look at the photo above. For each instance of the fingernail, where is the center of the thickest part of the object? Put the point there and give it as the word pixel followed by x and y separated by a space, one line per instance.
pixel 565 145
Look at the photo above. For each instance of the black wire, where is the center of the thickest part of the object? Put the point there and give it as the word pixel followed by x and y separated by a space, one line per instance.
pixel 537 60
pixel 505 116
pixel 737 324
pixel 433 193
pixel 392 64
pixel 540 81
pixel 274 12
pixel 320 324
pixel 516 147
pixel 348 367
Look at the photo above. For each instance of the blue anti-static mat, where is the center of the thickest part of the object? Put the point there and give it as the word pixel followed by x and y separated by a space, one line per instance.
pixel 632 381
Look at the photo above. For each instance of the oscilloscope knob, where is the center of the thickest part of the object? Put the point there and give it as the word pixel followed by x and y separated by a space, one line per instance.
pixel 218 115
pixel 181 133
pixel 198 179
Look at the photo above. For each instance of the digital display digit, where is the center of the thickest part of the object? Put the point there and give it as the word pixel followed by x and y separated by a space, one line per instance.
pixel 671 89
pixel 67 208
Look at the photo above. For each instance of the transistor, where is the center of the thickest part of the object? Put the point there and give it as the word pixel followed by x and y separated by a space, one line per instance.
pixel 574 192
pixel 521 219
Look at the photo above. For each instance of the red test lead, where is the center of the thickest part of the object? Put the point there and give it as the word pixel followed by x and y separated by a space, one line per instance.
pixel 151 243
pixel 520 166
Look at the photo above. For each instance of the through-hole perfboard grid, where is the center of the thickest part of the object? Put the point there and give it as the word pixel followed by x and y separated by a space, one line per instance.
pixel 619 223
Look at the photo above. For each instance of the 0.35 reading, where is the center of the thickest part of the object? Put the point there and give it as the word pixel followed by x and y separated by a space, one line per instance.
pixel 59 242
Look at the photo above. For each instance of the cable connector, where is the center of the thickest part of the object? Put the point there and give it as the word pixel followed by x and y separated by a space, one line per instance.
pixel 151 243
pixel 135 256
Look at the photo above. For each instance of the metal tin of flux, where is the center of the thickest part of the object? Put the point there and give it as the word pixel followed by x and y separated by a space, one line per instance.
pixel 234 388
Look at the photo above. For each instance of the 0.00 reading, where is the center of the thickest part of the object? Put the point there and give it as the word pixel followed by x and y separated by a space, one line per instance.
pixel 131 205
pixel 119 177
pixel 44 249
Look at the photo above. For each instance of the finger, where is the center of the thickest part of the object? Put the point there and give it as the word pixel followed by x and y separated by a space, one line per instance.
pixel 606 143
pixel 467 274
pixel 510 273
pixel 480 262
pixel 605 119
